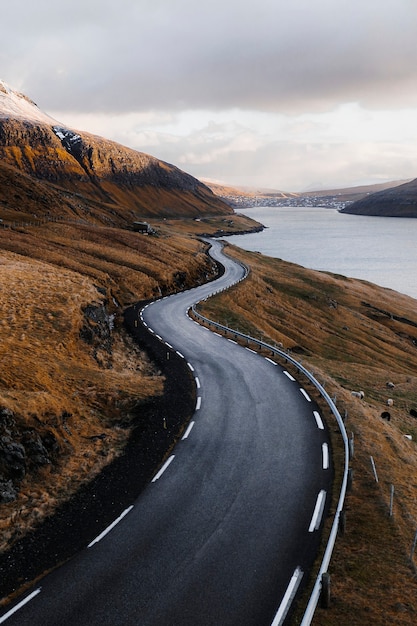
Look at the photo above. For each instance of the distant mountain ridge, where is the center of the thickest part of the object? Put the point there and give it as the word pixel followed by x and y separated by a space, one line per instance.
pixel 124 182
pixel 245 197
pixel 400 201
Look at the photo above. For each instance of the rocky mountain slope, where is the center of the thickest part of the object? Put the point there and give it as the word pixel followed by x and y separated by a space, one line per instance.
pixel 398 201
pixel 123 184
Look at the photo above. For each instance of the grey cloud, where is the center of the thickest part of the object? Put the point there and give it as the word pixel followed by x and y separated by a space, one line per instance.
pixel 269 55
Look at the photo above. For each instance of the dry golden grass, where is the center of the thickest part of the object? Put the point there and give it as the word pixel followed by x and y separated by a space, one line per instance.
pixel 52 383
pixel 353 336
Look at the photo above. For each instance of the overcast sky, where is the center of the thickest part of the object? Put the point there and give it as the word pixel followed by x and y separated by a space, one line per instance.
pixel 269 93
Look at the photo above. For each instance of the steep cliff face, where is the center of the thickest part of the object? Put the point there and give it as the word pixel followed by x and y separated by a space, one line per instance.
pixel 130 183
pixel 398 201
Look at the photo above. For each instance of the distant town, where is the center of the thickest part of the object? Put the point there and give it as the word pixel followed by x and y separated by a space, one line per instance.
pixel 245 202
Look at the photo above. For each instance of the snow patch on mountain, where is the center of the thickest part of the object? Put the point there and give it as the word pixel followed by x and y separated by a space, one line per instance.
pixel 71 141
pixel 16 105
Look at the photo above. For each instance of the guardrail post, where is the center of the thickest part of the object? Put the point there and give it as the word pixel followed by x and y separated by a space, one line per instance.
pixel 325 590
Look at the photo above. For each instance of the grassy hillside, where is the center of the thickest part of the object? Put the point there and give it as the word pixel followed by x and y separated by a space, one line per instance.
pixel 399 201
pixel 95 178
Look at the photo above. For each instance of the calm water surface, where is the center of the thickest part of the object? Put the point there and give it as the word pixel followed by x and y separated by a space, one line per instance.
pixel 381 250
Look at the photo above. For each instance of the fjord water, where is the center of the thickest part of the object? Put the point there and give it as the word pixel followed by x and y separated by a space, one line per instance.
pixel 382 250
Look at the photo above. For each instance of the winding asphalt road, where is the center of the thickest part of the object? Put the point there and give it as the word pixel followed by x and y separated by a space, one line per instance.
pixel 230 524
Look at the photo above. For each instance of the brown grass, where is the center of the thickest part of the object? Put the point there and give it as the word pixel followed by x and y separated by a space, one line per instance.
pixel 52 383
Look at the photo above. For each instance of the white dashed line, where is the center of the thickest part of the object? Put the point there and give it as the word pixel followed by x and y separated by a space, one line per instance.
pixel 319 421
pixel 163 468
pixel 318 512
pixel 305 394
pixel 270 360
pixel 190 366
pixel 198 405
pixel 232 341
pixel 325 450
pixel 19 606
pixel 187 432
pixel 250 350
pixel 180 355
pixel 288 597
pixel 168 345
pixel 109 528
pixel 289 375
pixel 197 382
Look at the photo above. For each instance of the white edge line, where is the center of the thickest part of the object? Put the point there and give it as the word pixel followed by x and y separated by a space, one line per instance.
pixel 151 330
pixel 198 405
pixel 197 382
pixel 318 420
pixel 163 468
pixel 270 360
pixel 288 597
pixel 305 394
pixel 190 366
pixel 232 341
pixel 250 350
pixel 109 528
pixel 318 512
pixel 187 432
pixel 168 345
pixel 289 375
pixel 159 337
pixel 325 449
pixel 180 355
pixel 19 606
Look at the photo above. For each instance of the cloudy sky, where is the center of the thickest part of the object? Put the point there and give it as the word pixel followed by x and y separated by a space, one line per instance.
pixel 293 95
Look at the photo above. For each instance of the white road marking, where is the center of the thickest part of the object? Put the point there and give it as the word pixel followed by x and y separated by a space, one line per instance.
pixel 270 360
pixel 318 420
pixel 318 512
pixel 109 528
pixel 145 324
pixel 289 375
pixel 190 366
pixel 250 350
pixel 159 337
pixel 187 432
pixel 305 394
pixel 151 331
pixel 180 355
pixel 325 449
pixel 163 468
pixel 232 341
pixel 197 382
pixel 198 405
pixel 168 345
pixel 288 597
pixel 19 606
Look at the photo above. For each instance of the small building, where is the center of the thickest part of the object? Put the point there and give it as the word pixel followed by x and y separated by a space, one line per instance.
pixel 141 227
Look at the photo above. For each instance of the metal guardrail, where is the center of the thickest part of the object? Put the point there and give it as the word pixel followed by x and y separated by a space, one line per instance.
pixel 315 594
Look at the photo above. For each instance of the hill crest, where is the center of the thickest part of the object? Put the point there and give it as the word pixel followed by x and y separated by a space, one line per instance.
pixel 125 183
